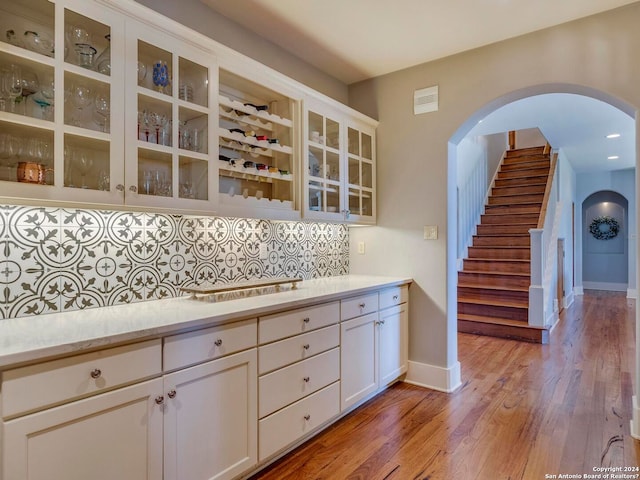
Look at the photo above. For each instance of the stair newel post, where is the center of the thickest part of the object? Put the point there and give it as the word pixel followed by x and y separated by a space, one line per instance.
pixel 536 289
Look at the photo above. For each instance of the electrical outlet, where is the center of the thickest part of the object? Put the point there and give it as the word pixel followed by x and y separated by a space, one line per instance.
pixel 264 255
pixel 430 232
pixel 361 247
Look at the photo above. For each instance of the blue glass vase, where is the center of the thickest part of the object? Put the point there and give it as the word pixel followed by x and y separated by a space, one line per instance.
pixel 160 75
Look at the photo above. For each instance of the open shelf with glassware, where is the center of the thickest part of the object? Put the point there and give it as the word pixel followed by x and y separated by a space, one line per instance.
pixel 256 145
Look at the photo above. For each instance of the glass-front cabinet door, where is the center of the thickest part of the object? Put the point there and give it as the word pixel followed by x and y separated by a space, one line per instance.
pixel 257 141
pixel 169 132
pixel 56 82
pixel 339 171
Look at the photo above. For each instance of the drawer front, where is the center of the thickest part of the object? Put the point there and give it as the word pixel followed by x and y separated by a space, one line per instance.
pixel 289 384
pixel 357 306
pixel 291 423
pixel 202 345
pixel 394 296
pixel 29 388
pixel 294 349
pixel 283 325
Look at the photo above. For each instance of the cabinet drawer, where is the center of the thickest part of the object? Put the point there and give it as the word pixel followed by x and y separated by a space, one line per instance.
pixel 294 349
pixel 285 386
pixel 202 345
pixel 283 325
pixel 29 388
pixel 356 306
pixel 394 296
pixel 291 423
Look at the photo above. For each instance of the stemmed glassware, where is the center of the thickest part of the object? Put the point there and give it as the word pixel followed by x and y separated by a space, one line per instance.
pixel 44 97
pixel 14 85
pixel 102 109
pixel 84 163
pixel 80 99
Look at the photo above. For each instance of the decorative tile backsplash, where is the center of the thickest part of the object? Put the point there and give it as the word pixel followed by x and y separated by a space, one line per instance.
pixel 55 259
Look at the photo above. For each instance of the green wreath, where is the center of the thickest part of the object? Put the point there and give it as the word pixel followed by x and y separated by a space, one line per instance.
pixel 604 228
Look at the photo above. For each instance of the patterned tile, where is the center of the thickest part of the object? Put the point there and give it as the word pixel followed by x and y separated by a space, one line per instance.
pixel 67 259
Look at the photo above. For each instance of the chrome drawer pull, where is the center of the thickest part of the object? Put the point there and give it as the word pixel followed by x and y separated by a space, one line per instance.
pixel 218 342
pixel 96 373
pixel 172 394
pixel 306 320
pixel 395 297
pixel 306 379
pixel 307 417
pixel 362 305
pixel 159 399
pixel 306 346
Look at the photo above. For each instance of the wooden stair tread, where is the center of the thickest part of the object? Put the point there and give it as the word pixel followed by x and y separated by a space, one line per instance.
pixel 496 320
pixel 494 272
pixel 493 287
pixel 493 302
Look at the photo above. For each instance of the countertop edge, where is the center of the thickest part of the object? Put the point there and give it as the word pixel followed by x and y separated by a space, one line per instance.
pixel 269 304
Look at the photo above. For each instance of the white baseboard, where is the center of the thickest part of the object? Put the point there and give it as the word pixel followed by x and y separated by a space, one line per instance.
pixel 436 378
pixel 568 300
pixel 609 286
pixel 579 291
pixel 632 293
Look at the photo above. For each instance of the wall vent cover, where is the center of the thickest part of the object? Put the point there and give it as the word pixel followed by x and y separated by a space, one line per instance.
pixel 425 100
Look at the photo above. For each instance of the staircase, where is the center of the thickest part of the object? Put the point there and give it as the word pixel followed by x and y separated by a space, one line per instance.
pixel 493 286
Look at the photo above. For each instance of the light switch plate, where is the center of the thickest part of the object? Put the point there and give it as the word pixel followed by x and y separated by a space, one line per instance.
pixel 430 232
pixel 361 247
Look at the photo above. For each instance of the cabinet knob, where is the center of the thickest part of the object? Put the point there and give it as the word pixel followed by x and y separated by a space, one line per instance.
pixel 307 417
pixel 381 322
pixel 306 320
pixel 395 297
pixel 120 187
pixel 362 305
pixel 218 342
pixel 172 394
pixel 160 399
pixel 96 373
pixel 306 379
pixel 133 189
pixel 306 346
pixel 378 323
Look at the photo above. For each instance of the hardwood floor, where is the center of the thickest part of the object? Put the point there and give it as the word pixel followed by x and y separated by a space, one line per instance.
pixel 524 411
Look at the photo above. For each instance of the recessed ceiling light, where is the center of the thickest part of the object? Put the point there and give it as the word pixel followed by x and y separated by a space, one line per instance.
pixel 613 135
pixel 613 157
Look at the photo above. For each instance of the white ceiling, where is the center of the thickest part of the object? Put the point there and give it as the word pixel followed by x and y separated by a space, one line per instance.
pixel 354 40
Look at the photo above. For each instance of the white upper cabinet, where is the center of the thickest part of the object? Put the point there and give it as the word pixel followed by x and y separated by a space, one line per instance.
pixel 105 102
pixel 339 171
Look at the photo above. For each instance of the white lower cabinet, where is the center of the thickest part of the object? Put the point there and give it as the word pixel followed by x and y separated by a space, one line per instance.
pixel 210 419
pixel 112 435
pixel 393 332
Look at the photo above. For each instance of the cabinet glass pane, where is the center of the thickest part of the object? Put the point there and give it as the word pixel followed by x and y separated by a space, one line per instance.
pixel 28 24
pixel 193 86
pixel 367 175
pixel 87 103
pixel 193 178
pixel 156 64
pixel 86 163
pixel 332 166
pixel 333 134
pixel 316 127
pixel 155 173
pixel 354 171
pixel 26 154
pixel 154 121
pixel 354 141
pixel 85 41
pixel 27 87
pixel 367 146
pixel 192 131
pixel 354 201
pixel 333 198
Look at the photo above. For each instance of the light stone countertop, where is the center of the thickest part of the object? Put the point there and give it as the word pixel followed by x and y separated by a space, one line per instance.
pixel 38 337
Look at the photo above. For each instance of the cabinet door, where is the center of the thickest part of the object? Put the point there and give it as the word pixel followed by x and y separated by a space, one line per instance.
pixel 361 174
pixel 393 343
pixel 57 140
pixel 169 132
pixel 113 435
pixel 323 170
pixel 211 419
pixel 359 359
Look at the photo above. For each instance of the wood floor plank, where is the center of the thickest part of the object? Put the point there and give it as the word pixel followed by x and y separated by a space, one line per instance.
pixel 524 411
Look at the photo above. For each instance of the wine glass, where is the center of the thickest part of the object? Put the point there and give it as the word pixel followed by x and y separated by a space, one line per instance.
pixel 160 75
pixel 44 97
pixel 102 109
pixel 80 99
pixel 30 85
pixel 14 85
pixel 84 163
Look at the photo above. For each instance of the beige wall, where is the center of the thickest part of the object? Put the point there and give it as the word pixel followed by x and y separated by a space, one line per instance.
pixel 194 14
pixel 599 52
